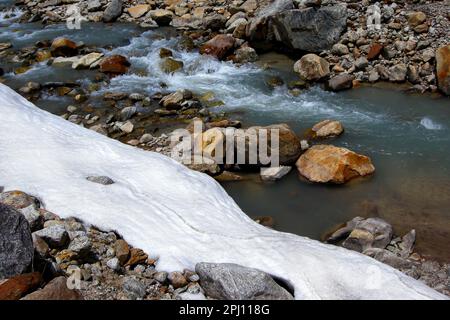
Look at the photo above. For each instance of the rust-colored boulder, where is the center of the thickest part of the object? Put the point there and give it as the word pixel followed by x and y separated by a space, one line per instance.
pixel 55 290
pixel 219 46
pixel 330 164
pixel 115 64
pixel 137 256
pixel 63 47
pixel 18 286
pixel 443 68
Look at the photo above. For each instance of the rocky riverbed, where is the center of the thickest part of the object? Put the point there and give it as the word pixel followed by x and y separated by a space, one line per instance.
pixel 342 51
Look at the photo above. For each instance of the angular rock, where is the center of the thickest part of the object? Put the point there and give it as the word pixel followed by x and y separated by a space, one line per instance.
pixel 341 82
pixel 55 236
pixel 416 18
pixel 162 17
pixel 177 280
pixel 387 257
pixel 245 54
pixel 327 128
pixel 113 11
pixel 16 244
pixel 138 10
pixel 55 290
pixel 18 286
pixel 227 281
pixel 174 100
pixel 398 72
pixel 274 173
pixel 330 164
pixel 219 46
pixel 81 245
pixel 311 67
pixel 137 256
pixel 134 288
pixel 310 29
pixel 369 233
pixel 374 51
pixel 17 199
pixel 443 69
pixel 169 65
pixel 100 180
pixel 122 251
pixel 87 60
pixel 113 264
pixel 33 216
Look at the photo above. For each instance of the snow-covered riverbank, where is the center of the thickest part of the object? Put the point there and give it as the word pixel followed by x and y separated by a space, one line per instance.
pixel 179 215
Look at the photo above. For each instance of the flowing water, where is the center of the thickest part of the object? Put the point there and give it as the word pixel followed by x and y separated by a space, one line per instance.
pixel 407 136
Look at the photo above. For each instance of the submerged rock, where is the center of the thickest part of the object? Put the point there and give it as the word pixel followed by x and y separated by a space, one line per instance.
pixel 169 65
pixel 16 244
pixel 311 67
pixel 330 164
pixel 227 281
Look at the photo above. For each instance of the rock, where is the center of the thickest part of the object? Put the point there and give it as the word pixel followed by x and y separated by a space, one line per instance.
pixel 5 45
pixel 127 113
pixel 274 173
pixel 177 280
pixel 18 199
pixel 94 5
pixel 174 100
pixel 164 53
pixel 138 10
pixel 55 236
pixel 412 74
pixel 327 128
pixel 33 216
pixel 65 61
pixel 162 16
pixel 228 281
pixel 416 18
pixel 266 221
pixel 100 179
pixel 214 22
pixel 387 257
pixel 340 49
pixel 443 69
pixel 236 24
pixel 245 55
pixel 63 47
pixel 341 82
pixel 361 63
pixel 81 245
pixel 274 81
pixel 311 67
pixel 127 127
pixel 40 246
pixel 374 51
pixel 146 137
pixel 115 64
pixel 161 276
pixel 137 256
pixel 219 46
pixel 113 11
pixel 344 231
pixel 55 290
pixel 330 164
pixel 113 264
pixel 369 233
pixel 407 244
pixel 122 251
pixel 16 245
pixel 398 72
pixel 227 176
pixel 87 60
pixel 169 65
pixel 310 29
pixel 18 286
pixel 134 288
pixel 42 55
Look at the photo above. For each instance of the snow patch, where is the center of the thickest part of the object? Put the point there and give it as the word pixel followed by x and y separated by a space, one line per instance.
pixel 182 216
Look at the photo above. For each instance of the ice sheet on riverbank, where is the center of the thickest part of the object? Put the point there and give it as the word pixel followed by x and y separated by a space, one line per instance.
pixel 180 215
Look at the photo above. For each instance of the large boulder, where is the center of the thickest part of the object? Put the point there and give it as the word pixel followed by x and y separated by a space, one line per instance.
pixel 18 286
pixel 16 243
pixel 443 68
pixel 113 11
pixel 55 290
pixel 311 67
pixel 330 164
pixel 310 29
pixel 219 46
pixel 227 281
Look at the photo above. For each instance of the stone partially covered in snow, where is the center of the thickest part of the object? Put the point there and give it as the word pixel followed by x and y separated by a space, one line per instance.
pixel 227 281
pixel 16 244
pixel 157 197
pixel 274 173
pixel 330 164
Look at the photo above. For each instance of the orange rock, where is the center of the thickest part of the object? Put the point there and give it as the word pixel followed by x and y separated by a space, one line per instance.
pixel 443 69
pixel 374 51
pixel 63 47
pixel 137 256
pixel 330 164
pixel 18 286
pixel 138 10
pixel 219 46
pixel 115 64
pixel 55 290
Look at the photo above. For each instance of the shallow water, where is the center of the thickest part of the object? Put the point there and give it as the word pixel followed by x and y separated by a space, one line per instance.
pixel 407 136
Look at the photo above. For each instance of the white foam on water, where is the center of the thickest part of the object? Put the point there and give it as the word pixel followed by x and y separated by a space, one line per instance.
pixel 429 124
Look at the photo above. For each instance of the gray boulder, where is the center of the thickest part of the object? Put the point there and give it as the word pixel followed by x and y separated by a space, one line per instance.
pixel 229 281
pixel 55 236
pixel 113 11
pixel 310 29
pixel 16 244
pixel 369 233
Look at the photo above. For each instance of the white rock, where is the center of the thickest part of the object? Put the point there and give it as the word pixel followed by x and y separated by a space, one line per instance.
pixel 274 173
